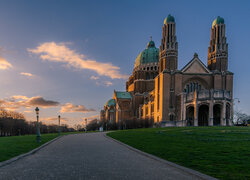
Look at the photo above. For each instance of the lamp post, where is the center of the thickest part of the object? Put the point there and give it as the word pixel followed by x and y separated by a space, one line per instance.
pixel 38 135
pixel 59 127
pixel 86 125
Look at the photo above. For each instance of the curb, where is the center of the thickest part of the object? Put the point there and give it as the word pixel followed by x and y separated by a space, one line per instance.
pixel 184 169
pixel 7 162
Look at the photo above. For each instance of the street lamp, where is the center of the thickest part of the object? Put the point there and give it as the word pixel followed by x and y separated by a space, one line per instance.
pixel 38 135
pixel 59 128
pixel 85 125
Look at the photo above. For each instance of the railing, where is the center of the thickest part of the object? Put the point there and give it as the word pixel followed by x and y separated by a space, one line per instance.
pixel 208 95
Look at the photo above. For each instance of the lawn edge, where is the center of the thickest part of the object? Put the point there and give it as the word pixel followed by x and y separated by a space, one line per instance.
pixel 182 168
pixel 9 161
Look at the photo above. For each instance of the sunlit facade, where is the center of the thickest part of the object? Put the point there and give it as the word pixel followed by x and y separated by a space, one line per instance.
pixel 196 95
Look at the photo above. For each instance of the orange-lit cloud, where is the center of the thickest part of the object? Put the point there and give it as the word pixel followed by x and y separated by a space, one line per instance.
pixel 26 74
pixel 70 108
pixel 59 52
pixel 4 64
pixel 91 117
pixel 28 111
pixel 18 101
pixel 54 120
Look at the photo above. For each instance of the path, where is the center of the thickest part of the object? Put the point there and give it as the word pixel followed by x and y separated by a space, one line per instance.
pixel 89 156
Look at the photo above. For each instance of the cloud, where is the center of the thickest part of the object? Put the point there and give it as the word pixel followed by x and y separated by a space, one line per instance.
pixel 26 74
pixel 104 83
pixel 92 117
pixel 69 108
pixel 28 111
pixel 19 97
pixel 18 101
pixel 108 83
pixel 94 78
pixel 40 101
pixel 4 64
pixel 54 120
pixel 59 52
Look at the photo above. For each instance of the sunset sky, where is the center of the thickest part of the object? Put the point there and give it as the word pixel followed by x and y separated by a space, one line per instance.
pixel 67 57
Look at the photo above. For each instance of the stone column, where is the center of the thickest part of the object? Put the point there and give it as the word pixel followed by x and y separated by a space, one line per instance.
pixel 196 110
pixel 184 116
pixel 223 114
pixel 230 123
pixel 140 109
pixel 183 110
pixel 211 114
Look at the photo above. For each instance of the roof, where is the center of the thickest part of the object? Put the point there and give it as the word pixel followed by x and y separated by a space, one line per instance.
pixel 218 20
pixel 148 55
pixel 110 102
pixel 195 66
pixel 169 19
pixel 123 95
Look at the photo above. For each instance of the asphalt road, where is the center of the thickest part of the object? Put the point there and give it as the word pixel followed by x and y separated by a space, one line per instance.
pixel 89 156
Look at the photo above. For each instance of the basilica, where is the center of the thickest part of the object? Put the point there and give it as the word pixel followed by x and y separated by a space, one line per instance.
pixel 195 95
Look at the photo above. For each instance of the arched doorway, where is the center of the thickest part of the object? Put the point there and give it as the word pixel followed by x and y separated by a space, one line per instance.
pixel 190 115
pixel 203 115
pixel 217 114
pixel 228 114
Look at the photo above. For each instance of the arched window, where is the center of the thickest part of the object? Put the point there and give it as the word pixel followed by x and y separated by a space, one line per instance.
pixel 171 117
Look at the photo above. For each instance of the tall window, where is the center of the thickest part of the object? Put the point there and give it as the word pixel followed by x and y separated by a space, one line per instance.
pixel 171 117
pixel 191 87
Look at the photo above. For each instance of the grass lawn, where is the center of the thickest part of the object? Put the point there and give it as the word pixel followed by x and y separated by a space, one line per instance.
pixel 221 152
pixel 12 146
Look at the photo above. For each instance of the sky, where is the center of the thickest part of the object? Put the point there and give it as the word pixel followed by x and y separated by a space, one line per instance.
pixel 67 57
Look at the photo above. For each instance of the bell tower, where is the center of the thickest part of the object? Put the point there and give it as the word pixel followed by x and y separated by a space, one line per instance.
pixel 217 58
pixel 168 56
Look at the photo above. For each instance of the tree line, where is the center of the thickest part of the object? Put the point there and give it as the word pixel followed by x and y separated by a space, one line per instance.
pixel 13 124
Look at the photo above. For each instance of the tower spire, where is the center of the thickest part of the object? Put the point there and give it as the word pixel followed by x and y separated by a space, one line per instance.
pixel 217 58
pixel 169 47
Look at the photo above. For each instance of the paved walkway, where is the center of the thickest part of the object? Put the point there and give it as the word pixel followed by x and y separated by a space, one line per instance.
pixel 89 156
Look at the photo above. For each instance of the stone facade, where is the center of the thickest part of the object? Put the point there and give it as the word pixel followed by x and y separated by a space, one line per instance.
pixel 196 95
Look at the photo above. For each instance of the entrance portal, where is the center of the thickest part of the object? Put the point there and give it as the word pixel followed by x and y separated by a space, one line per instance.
pixel 203 115
pixel 217 114
pixel 190 116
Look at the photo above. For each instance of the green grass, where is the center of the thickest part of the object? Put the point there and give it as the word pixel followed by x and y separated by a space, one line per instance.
pixel 12 146
pixel 221 152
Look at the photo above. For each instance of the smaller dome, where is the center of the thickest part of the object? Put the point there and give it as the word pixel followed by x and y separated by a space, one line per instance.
pixel 218 20
pixel 151 44
pixel 110 102
pixel 148 55
pixel 169 19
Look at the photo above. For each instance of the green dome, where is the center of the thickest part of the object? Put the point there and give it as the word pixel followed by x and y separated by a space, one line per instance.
pixel 149 55
pixel 169 19
pixel 218 20
pixel 110 102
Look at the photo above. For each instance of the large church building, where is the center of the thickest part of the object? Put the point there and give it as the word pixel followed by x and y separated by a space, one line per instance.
pixel 196 95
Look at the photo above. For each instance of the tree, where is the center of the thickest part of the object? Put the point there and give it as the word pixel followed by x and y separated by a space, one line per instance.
pixel 240 117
